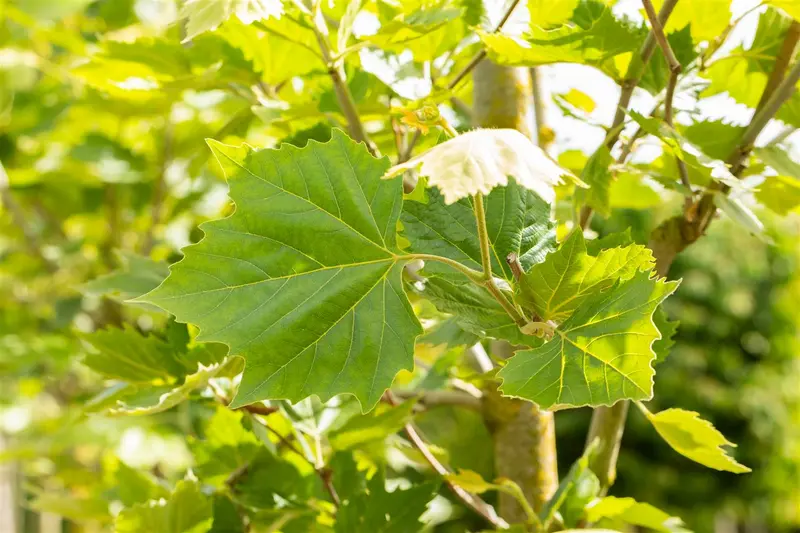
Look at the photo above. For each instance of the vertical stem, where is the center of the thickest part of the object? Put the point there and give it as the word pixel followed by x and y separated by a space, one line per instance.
pixel 523 435
pixel 483 235
pixel 538 108
pixel 608 426
pixel 343 94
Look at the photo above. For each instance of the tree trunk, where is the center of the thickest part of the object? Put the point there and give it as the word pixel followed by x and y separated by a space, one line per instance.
pixel 8 501
pixel 524 435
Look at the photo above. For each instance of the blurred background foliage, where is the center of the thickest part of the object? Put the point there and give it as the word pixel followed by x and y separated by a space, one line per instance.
pixel 103 116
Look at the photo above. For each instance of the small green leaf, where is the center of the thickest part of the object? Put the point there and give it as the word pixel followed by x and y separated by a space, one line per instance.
pixel 741 214
pixel 629 191
pixel 777 158
pixel 226 446
pixel 308 263
pixel 695 438
pixel 715 138
pixel 475 310
pixel 207 15
pixel 550 13
pixel 601 354
pixel 579 487
pixel 71 507
pixel 128 355
pixel 470 481
pixel 568 277
pixel 136 276
pixel 134 486
pixel 379 511
pixel 362 429
pixel 580 100
pixel 146 400
pixel 226 516
pixel 187 510
pixel 791 7
pixel 631 512
pixel 597 174
pixel 707 19
pixel 268 477
pixel 668 329
pixel 593 36
pixel 779 193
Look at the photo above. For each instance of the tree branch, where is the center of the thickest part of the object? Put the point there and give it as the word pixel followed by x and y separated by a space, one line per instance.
pixel 632 78
pixel 343 94
pixel 159 190
pixel 443 398
pixel 675 234
pixel 674 69
pixel 472 501
pixel 538 108
pixel 20 220
pixel 257 411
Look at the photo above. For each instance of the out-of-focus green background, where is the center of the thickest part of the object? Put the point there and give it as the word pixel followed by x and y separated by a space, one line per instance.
pixel 71 154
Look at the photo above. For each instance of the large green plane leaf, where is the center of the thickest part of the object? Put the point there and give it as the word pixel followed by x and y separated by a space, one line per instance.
pixel 570 276
pixel 517 221
pixel 601 354
pixel 303 280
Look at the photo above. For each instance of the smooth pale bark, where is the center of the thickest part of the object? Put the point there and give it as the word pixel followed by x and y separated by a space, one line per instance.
pixel 524 436
pixel 8 507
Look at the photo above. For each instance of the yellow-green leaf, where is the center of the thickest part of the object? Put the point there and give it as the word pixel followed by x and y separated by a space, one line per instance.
pixel 695 438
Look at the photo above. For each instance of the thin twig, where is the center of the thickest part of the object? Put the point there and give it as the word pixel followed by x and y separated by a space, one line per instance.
pixel 159 190
pixel 538 107
pixel 632 77
pixel 660 37
pixel 675 70
pixel 20 220
pixel 443 398
pixel 785 55
pixel 472 501
pixel 476 59
pixel 324 473
pixel 343 94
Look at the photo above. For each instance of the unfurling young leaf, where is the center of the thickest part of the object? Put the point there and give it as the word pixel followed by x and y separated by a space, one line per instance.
pixel 478 161
pixel 695 438
pixel 304 279
pixel 629 511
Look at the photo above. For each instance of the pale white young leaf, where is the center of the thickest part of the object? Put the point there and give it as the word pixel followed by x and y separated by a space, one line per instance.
pixel 480 160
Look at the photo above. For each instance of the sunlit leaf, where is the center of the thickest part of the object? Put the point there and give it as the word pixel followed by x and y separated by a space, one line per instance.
pixel 695 438
pixel 601 354
pixel 569 277
pixel 634 513
pixel 206 15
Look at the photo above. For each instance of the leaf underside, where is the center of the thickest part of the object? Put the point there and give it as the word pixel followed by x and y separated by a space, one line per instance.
pixel 601 354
